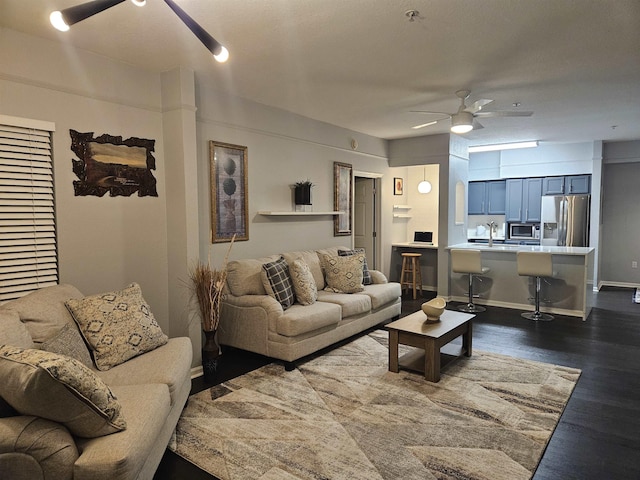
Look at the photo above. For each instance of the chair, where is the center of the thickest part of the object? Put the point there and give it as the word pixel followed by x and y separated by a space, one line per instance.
pixel 468 261
pixel 411 276
pixel 537 265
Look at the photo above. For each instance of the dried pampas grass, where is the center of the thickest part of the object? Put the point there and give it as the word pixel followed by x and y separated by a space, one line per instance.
pixel 207 284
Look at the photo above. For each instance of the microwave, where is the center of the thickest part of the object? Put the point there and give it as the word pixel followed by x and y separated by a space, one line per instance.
pixel 524 231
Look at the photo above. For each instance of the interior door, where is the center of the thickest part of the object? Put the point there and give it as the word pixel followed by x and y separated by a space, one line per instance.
pixel 364 219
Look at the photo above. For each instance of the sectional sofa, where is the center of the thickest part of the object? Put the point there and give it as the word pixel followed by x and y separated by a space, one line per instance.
pixel 335 296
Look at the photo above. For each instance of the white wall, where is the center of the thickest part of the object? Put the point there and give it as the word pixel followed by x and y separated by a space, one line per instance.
pixel 104 243
pixel 544 160
pixel 282 148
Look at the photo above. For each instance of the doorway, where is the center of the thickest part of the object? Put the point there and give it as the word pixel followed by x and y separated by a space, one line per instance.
pixel 365 216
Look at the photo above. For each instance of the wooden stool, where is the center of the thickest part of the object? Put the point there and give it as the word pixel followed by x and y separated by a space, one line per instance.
pixel 411 275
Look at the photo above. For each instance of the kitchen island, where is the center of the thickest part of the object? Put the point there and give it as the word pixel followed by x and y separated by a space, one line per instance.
pixel 569 292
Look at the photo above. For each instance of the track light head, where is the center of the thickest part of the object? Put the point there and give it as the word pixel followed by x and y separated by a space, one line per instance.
pixel 220 53
pixel 63 19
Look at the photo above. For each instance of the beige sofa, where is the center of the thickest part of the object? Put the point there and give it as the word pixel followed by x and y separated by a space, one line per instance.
pixel 151 388
pixel 255 321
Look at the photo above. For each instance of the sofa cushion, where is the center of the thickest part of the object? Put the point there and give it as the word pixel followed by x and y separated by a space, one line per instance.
pixel 354 304
pixel 58 388
pixel 366 275
pixel 124 454
pixel 244 277
pixel 277 282
pixel 43 311
pixel 301 319
pixel 344 274
pixel 383 293
pixel 117 325
pixel 69 342
pixel 13 331
pixel 312 259
pixel 175 357
pixel 303 283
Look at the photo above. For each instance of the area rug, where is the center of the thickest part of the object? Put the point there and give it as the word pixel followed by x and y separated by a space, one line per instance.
pixel 343 415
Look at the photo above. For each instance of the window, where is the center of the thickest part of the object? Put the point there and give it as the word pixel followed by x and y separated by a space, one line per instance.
pixel 28 247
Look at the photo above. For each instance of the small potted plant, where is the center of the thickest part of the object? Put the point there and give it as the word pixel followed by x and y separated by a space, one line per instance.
pixel 302 194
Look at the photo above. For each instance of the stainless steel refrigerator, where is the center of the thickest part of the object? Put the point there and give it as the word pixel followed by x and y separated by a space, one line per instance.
pixel 565 220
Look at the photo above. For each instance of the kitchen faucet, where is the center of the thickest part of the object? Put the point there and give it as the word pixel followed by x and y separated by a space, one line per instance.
pixel 492 225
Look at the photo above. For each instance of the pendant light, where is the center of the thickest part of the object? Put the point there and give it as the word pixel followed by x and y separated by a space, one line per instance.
pixel 424 186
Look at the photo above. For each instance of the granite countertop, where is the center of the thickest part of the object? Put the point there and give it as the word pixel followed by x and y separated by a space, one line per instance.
pixel 525 248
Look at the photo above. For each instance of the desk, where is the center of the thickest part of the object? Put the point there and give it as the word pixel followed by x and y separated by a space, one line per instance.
pixel 570 291
pixel 428 263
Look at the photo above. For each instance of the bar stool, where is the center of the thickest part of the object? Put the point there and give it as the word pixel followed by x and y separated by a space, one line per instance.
pixel 411 276
pixel 538 265
pixel 468 261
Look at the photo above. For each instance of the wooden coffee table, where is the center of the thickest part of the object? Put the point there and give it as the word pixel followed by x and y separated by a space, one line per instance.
pixel 430 337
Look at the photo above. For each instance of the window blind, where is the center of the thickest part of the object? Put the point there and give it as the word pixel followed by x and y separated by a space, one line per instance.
pixel 28 243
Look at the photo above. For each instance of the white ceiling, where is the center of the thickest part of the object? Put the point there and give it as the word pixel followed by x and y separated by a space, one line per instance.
pixel 362 65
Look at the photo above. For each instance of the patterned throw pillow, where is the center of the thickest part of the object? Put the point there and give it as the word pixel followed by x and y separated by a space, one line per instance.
pixel 366 275
pixel 344 274
pixel 303 283
pixel 69 342
pixel 277 282
pixel 117 325
pixel 58 388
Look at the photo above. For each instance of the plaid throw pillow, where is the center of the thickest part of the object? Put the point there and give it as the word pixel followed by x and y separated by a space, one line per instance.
pixel 366 275
pixel 277 282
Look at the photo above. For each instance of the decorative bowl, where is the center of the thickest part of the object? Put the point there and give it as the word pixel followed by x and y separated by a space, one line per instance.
pixel 434 308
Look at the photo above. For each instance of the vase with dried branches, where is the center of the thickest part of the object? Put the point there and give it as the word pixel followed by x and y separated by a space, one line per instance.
pixel 207 284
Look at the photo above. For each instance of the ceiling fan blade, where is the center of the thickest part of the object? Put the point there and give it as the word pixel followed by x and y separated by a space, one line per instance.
pixel 478 104
pixel 477 125
pixel 503 113
pixel 423 125
pixel 430 112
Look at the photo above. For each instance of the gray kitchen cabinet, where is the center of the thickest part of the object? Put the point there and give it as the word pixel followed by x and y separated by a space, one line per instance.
pixel 477 195
pixel 487 198
pixel 496 197
pixel 577 184
pixel 553 186
pixel 523 199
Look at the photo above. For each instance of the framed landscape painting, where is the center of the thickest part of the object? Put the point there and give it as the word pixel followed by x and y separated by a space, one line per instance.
pixel 229 192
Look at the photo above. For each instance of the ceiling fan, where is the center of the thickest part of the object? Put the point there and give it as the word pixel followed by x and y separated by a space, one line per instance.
pixel 464 120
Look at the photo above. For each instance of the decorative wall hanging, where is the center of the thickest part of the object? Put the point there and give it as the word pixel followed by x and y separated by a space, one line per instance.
pixel 229 192
pixel 342 188
pixel 110 164
pixel 398 186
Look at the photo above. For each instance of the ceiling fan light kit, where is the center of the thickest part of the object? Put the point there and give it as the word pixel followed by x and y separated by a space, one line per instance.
pixel 464 120
pixel 63 19
pixel 461 122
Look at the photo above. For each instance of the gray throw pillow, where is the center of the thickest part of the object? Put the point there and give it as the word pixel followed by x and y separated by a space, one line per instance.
pixel 277 282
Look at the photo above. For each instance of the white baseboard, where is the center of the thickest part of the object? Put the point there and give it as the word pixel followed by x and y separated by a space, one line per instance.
pixel 196 372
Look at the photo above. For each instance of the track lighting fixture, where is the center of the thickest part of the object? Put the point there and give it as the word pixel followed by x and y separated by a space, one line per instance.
pixel 63 19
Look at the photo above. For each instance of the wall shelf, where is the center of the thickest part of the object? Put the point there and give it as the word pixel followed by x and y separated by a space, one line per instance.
pixel 401 215
pixel 297 214
pixel 401 207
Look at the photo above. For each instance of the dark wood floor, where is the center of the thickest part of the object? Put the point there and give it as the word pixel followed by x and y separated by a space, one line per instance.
pixel 598 436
